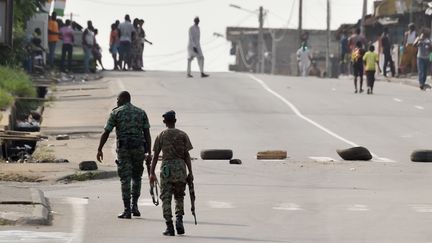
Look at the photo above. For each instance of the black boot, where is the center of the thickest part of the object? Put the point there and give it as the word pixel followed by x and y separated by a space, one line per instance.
pixel 179 225
pixel 135 211
pixel 127 210
pixel 170 229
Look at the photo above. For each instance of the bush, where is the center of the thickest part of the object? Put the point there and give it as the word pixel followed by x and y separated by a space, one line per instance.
pixel 5 99
pixel 16 82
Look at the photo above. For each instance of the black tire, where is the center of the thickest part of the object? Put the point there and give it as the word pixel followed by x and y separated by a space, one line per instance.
pixel 423 155
pixel 355 153
pixel 88 165
pixel 216 154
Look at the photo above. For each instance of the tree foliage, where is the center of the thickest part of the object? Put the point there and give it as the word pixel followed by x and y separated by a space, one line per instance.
pixel 23 11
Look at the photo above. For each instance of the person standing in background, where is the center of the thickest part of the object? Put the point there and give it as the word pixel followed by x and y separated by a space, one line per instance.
pixel 409 61
pixel 194 49
pixel 67 36
pixel 125 32
pixel 88 42
pixel 114 42
pixel 53 38
pixel 424 45
pixel 386 49
pixel 143 40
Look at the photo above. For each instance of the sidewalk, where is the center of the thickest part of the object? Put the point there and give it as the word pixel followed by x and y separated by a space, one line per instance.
pixel 80 110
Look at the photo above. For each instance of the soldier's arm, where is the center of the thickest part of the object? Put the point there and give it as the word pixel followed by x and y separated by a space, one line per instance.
pixel 103 139
pixel 154 163
pixel 189 165
pixel 147 137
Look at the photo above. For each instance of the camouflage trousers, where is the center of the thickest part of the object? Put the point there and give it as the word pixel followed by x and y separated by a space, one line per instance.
pixel 172 183
pixel 130 168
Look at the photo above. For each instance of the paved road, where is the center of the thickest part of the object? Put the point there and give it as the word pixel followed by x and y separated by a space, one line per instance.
pixel 311 197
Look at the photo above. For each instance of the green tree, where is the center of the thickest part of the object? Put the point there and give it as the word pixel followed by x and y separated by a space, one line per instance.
pixel 23 11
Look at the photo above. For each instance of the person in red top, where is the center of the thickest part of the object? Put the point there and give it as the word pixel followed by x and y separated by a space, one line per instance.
pixel 114 42
pixel 53 37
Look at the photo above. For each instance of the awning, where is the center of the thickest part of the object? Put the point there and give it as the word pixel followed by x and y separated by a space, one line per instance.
pixel 393 7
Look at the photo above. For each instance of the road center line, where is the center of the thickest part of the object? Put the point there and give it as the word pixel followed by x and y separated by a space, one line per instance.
pixel 299 114
pixel 419 107
pixel 397 100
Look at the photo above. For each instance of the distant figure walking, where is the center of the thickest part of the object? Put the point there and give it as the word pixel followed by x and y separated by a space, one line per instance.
pixel 424 45
pixel 357 64
pixel 304 59
pixel 194 49
pixel 371 61
pixel 386 49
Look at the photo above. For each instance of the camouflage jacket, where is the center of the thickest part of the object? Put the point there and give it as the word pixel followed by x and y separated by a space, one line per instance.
pixel 173 143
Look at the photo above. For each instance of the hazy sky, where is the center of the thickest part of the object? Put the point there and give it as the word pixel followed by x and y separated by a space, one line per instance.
pixel 167 23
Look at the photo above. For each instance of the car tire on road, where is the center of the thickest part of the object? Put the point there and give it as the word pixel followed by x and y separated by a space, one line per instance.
pixel 216 154
pixel 88 165
pixel 355 153
pixel 423 155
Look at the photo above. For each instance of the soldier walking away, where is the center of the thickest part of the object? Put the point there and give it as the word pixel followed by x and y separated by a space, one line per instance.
pixel 194 49
pixel 175 146
pixel 386 49
pixel 357 64
pixel 133 142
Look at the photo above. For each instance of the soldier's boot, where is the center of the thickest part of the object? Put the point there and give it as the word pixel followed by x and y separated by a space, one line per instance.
pixel 179 225
pixel 170 229
pixel 134 209
pixel 127 210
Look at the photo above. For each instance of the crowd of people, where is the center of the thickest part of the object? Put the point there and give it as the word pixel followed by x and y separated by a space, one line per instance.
pixel 127 41
pixel 415 53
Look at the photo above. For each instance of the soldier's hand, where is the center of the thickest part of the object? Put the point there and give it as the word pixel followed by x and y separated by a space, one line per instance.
pixel 148 158
pixel 190 177
pixel 99 156
pixel 153 179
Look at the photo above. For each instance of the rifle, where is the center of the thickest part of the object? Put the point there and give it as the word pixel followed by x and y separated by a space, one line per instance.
pixel 192 197
pixel 153 187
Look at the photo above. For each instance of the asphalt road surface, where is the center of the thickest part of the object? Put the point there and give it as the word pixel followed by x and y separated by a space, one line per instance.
pixel 313 196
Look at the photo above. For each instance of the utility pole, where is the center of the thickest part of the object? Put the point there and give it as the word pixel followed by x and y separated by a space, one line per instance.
pixel 327 60
pixel 362 27
pixel 260 45
pixel 300 27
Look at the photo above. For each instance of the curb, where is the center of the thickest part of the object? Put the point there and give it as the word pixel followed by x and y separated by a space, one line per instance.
pixel 87 176
pixel 40 214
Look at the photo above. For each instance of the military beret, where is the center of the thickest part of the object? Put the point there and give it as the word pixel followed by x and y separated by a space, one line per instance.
pixel 169 115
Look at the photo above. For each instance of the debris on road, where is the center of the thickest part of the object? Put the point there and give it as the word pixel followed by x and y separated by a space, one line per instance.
pixel 272 154
pixel 62 137
pixel 423 155
pixel 355 153
pixel 88 165
pixel 216 154
pixel 235 162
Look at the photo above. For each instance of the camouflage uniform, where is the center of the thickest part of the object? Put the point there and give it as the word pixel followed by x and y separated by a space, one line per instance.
pixel 174 144
pixel 130 122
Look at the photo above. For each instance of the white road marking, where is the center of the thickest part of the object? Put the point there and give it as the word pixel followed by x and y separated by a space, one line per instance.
pixel 422 208
pixel 419 107
pixel 322 159
pixel 217 204
pixel 358 208
pixel 300 115
pixel 397 100
pixel 383 160
pixel 288 207
pixel 78 207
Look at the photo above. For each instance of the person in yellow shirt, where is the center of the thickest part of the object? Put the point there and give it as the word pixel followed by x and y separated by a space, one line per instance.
pixel 53 37
pixel 370 60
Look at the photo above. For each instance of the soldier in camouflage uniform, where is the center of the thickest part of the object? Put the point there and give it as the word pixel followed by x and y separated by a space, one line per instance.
pixel 175 146
pixel 133 142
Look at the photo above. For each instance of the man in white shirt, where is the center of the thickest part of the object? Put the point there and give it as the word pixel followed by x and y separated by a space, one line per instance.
pixel 194 49
pixel 88 41
pixel 304 59
pixel 125 32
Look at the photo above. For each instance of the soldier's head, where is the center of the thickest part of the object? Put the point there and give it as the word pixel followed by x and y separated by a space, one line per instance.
pixel 169 118
pixel 123 98
pixel 196 20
